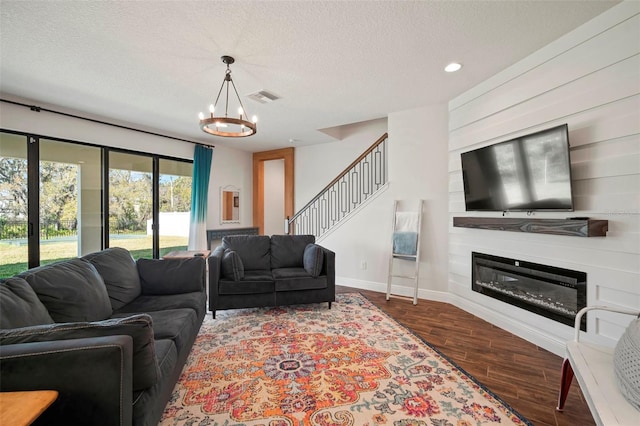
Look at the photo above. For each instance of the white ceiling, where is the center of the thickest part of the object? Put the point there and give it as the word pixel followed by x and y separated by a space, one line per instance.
pixel 156 64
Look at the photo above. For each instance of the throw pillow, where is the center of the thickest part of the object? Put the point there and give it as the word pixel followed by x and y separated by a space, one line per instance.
pixel 120 274
pixel 313 259
pixel 626 363
pixel 71 290
pixel 20 306
pixel 171 276
pixel 139 327
pixel 232 267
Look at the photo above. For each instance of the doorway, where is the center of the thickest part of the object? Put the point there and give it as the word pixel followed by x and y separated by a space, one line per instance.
pixel 259 159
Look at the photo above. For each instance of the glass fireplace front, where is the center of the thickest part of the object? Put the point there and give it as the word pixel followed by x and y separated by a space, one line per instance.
pixel 555 293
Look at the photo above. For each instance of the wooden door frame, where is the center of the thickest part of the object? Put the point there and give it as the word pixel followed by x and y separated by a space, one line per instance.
pixel 286 154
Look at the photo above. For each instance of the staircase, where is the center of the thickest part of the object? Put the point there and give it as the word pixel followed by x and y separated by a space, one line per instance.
pixel 345 194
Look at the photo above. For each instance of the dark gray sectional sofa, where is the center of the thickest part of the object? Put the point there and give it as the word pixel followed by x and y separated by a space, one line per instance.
pixel 249 271
pixel 110 334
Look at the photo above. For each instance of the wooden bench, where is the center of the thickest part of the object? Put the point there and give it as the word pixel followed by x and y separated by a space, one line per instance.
pixel 593 369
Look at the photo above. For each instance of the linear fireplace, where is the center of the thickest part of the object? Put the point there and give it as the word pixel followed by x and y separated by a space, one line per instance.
pixel 555 293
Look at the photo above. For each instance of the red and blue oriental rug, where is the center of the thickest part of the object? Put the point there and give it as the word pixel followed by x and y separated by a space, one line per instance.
pixel 308 365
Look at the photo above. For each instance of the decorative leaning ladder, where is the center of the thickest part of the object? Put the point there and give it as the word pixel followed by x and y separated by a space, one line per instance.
pixel 406 245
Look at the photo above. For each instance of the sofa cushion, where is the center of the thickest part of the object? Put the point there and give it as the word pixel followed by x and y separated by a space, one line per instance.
pixel 285 273
pixel 139 327
pixel 287 250
pixel 227 287
pixel 301 283
pixel 71 290
pixel 171 276
pixel 312 259
pixel 254 250
pixel 179 325
pixel 120 274
pixel 152 303
pixel 232 267
pixel 20 306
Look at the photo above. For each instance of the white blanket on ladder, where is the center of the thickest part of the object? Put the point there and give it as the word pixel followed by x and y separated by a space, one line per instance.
pixel 406 222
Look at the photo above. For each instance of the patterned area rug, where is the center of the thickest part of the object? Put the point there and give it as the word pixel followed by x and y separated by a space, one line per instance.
pixel 308 365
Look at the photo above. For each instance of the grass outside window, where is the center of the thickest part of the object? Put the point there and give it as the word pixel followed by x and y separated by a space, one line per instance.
pixel 12 256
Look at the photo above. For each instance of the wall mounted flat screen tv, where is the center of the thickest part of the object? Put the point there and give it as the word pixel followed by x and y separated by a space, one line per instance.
pixel 532 172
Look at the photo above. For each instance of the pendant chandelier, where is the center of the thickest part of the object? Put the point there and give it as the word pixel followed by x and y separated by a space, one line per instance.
pixel 223 125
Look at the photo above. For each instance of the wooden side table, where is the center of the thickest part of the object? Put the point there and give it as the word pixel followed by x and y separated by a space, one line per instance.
pixel 184 254
pixel 22 408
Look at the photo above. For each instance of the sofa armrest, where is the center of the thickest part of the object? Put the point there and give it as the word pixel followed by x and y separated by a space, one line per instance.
pixel 215 272
pixel 329 267
pixel 93 377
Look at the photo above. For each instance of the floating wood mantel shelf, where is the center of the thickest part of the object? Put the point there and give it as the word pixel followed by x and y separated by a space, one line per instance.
pixel 572 227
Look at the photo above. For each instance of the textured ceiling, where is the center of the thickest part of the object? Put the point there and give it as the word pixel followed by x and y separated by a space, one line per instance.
pixel 156 64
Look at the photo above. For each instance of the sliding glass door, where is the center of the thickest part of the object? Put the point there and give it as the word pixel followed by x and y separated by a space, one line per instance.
pixel 175 204
pixel 70 200
pixel 149 203
pixel 14 225
pixel 131 223
pixel 60 199
pixel 64 191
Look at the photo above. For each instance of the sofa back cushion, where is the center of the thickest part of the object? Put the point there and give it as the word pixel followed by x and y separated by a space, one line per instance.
pixel 287 251
pixel 71 290
pixel 171 276
pixel 20 306
pixel 254 250
pixel 139 327
pixel 120 274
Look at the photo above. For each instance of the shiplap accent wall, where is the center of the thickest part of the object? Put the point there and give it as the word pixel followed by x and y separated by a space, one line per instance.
pixel 590 79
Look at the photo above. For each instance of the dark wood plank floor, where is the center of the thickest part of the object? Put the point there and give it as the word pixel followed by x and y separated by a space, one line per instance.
pixel 524 375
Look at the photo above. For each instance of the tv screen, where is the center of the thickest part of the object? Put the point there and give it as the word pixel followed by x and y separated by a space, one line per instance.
pixel 532 172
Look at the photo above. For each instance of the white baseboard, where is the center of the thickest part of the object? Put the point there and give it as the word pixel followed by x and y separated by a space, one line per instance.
pixel 396 290
pixel 537 337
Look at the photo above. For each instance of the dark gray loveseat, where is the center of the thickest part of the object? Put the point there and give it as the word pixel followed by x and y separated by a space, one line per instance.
pixel 249 271
pixel 111 335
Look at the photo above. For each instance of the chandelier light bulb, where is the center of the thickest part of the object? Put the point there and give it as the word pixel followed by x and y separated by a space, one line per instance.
pixel 201 116
pixel 240 111
pixel 211 108
pixel 254 119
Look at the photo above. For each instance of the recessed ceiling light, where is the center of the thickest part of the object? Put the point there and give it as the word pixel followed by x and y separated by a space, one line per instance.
pixel 453 67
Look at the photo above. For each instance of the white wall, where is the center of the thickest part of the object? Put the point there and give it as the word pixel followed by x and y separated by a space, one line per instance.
pixel 229 166
pixel 589 79
pixel 19 118
pixel 416 171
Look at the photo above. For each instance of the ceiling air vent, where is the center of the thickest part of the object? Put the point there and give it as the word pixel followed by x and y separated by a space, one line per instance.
pixel 263 97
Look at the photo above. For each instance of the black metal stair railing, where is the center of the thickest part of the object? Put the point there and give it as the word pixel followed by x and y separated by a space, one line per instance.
pixel 349 190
